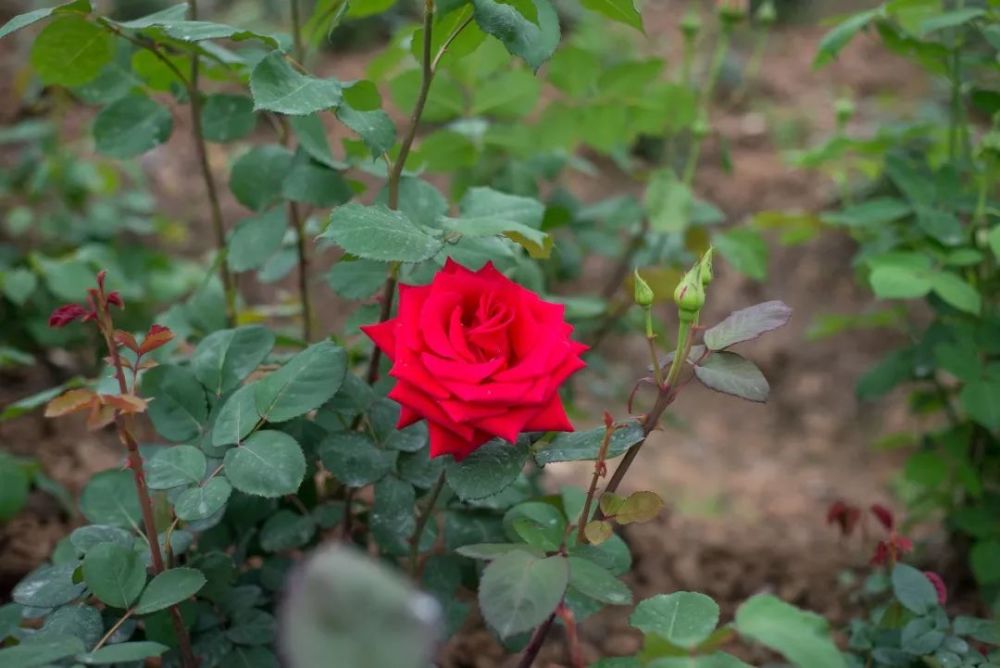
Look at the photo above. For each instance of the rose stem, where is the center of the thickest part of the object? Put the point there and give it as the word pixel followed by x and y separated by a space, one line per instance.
pixel 124 428
pixel 572 637
pixel 215 208
pixel 425 515
pixel 537 640
pixel 599 468
pixel 293 208
pixel 428 68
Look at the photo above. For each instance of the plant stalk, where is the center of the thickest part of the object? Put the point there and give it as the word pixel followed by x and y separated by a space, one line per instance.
pixel 537 640
pixel 600 468
pixel 215 208
pixel 425 515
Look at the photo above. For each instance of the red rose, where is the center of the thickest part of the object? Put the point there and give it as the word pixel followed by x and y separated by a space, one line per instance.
pixel 477 356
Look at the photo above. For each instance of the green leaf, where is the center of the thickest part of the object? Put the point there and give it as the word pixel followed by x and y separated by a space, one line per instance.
pixel 985 561
pixel 269 463
pixel 518 591
pixel 323 627
pixel 539 524
pixel 276 86
pixel 419 200
pixel 362 8
pixel 745 249
pixel 71 51
pixel 175 466
pixel 226 118
pixel 42 653
pixel 994 240
pixel 109 497
pixel 392 520
pixel 731 374
pixel 490 551
pixel 747 324
pixel 258 175
pixel 303 384
pixel 802 637
pixel 377 233
pixel 18 285
pixel 488 470
pixel 357 279
pixel 683 618
pixel 203 501
pixel 28 18
pixel 314 183
pixel 122 653
pixel 48 587
pixel 237 417
pixel 979 399
pixel 835 40
pixel 533 40
pixel 641 506
pixel 591 580
pixel 311 133
pixel 956 292
pixel 256 239
pixel 286 530
pixel 166 23
pixel 375 128
pixel 623 11
pixel 14 485
pixel 83 622
pixel 353 458
pixel 870 213
pixel 913 590
pixel 509 94
pixel 115 574
pixel 668 202
pixel 169 588
pixel 897 282
pixel 131 126
pixel 487 212
pixel 85 537
pixel 585 445
pixel 177 407
pixel 224 358
pixel 949 19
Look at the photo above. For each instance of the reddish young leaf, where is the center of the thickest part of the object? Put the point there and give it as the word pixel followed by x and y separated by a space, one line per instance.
pixel 884 516
pixel 70 402
pixel 126 403
pixel 66 314
pixel 942 591
pixel 100 416
pixel 845 516
pixel 127 340
pixel 115 299
pixel 157 336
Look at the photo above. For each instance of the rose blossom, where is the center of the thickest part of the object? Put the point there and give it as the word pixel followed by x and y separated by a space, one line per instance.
pixel 477 356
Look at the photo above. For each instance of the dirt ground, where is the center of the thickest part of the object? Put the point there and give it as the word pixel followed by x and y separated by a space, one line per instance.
pixel 747 485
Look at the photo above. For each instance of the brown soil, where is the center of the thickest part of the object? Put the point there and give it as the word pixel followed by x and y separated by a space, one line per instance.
pixel 747 485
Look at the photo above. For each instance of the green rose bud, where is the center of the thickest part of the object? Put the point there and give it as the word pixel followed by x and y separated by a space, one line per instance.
pixel 691 23
pixel 731 12
pixel 705 266
pixel 845 110
pixel 690 295
pixel 766 15
pixel 643 294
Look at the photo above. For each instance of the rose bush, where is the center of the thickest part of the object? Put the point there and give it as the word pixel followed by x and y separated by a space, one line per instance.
pixel 478 357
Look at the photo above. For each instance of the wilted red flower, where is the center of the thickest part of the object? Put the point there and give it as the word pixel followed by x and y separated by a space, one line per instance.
pixel 844 516
pixel 884 516
pixel 66 314
pixel 478 357
pixel 889 550
pixel 942 591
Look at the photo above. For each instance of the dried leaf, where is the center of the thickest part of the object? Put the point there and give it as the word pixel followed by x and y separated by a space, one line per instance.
pixel 70 402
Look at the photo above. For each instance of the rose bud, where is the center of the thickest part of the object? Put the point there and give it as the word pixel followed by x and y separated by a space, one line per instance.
pixel 642 294
pixel 478 357
pixel 690 295
pixel 766 15
pixel 706 267
pixel 691 23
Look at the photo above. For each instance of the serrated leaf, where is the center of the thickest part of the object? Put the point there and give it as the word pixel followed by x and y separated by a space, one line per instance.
pixel 533 40
pixel 237 417
pixel 488 470
pixel 802 637
pixel 747 324
pixel 598 531
pixel 312 182
pixel 226 117
pixel 276 86
pixel 303 384
pixel 203 501
pixel 169 588
pixel 130 126
pixel 490 551
pixel 353 458
pixel 378 233
pixel 178 406
pixel 591 580
pixel 835 40
pixel 375 128
pixel 286 530
pixel 28 18
pixel 224 358
pixel 913 590
pixel 114 573
pixel 623 11
pixel 956 292
pixel 269 464
pixel 518 591
pixel 258 175
pixel 175 466
pixel 71 51
pixel 256 239
pixel 731 374
pixel 683 618
pixel 109 497
pixel 357 279
pixel 586 445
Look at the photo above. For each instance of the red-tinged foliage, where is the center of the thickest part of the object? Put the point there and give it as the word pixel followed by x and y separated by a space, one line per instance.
pixel 884 516
pixel 942 591
pixel 126 403
pixel 889 551
pixel 115 299
pixel 70 402
pixel 66 314
pixel 157 336
pixel 127 340
pixel 844 515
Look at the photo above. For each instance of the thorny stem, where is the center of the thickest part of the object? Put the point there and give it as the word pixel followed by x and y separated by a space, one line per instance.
pixel 600 469
pixel 572 637
pixel 425 515
pixel 125 434
pixel 537 640
pixel 215 208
